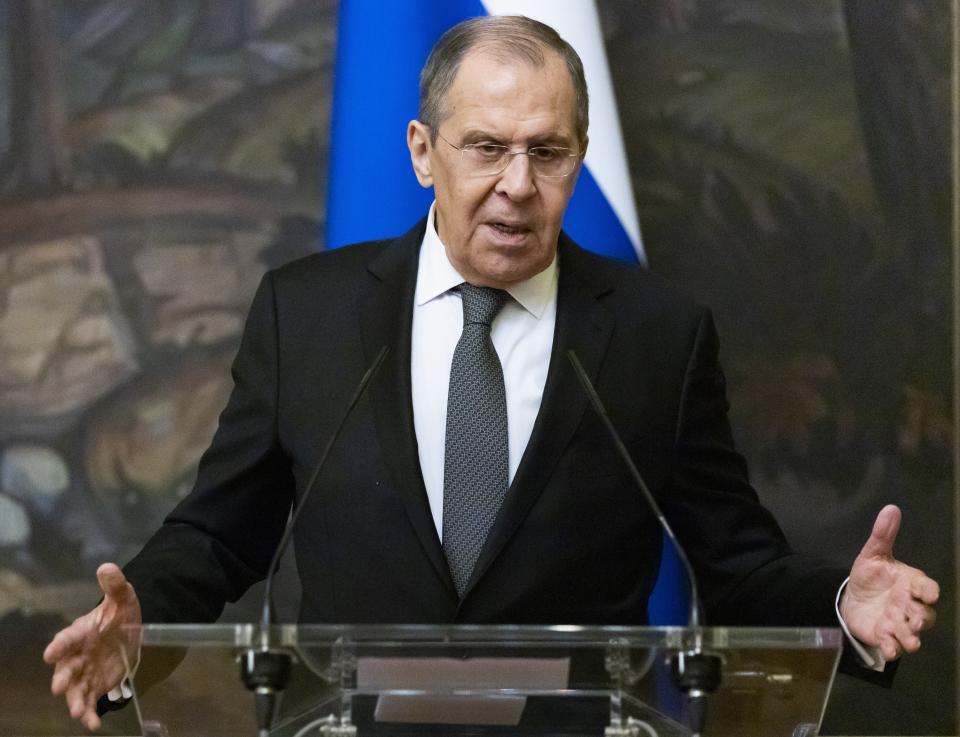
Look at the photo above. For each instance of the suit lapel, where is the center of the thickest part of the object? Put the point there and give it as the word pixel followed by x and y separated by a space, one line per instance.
pixel 386 314
pixel 583 325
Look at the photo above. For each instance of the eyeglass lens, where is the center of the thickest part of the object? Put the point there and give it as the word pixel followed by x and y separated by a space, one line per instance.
pixel 546 161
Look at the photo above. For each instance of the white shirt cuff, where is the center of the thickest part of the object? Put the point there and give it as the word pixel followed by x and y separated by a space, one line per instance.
pixel 123 691
pixel 870 657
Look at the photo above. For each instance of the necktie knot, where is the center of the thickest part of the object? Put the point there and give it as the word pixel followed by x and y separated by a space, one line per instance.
pixel 481 304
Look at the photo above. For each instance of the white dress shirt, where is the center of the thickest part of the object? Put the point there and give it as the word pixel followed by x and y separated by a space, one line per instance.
pixel 522 334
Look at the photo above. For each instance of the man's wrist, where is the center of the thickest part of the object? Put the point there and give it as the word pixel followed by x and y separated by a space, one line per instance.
pixel 123 691
pixel 870 657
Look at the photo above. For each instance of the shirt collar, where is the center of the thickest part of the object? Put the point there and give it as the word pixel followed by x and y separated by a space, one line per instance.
pixel 437 276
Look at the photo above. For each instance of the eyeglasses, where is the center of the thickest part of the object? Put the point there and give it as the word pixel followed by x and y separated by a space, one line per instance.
pixel 488 159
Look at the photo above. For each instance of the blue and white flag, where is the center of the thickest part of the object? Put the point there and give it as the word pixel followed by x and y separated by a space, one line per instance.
pixel 373 193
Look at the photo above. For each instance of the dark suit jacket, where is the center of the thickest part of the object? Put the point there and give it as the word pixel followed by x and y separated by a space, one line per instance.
pixel 574 541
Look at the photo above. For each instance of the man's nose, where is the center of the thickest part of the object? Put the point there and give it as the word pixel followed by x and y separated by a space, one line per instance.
pixel 516 181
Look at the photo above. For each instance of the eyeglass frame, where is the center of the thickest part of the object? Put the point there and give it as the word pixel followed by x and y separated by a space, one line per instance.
pixel 507 153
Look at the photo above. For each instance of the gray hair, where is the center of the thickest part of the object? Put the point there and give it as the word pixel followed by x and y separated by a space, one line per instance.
pixel 507 36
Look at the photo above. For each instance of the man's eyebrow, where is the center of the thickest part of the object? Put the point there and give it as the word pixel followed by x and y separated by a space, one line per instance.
pixel 472 135
pixel 556 140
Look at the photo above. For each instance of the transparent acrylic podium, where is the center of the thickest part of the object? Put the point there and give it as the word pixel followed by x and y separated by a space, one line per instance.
pixel 561 681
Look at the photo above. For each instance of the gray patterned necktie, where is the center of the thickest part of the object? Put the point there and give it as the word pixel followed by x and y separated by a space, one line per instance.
pixel 476 461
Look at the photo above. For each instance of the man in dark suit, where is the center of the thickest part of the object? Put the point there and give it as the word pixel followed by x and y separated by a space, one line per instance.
pixel 541 526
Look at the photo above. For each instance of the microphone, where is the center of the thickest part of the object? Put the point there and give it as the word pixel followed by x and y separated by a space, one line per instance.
pixel 266 670
pixel 696 673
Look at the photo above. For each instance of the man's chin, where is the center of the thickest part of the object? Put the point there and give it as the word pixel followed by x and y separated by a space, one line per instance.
pixel 508 271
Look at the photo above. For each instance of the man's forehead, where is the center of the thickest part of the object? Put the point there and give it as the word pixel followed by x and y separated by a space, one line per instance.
pixel 485 90
pixel 532 53
pixel 507 56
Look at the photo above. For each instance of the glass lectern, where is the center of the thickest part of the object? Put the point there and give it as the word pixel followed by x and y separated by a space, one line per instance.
pixel 559 681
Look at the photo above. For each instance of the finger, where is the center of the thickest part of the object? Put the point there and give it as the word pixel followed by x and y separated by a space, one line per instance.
pixel 884 534
pixel 112 581
pixel 64 642
pixel 889 648
pixel 67 674
pixel 77 701
pixel 82 704
pixel 921 617
pixel 906 637
pixel 925 589
pixel 910 644
pixel 91 721
pixel 89 718
pixel 62 678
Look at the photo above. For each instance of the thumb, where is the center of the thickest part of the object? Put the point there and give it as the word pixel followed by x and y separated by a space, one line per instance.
pixel 112 582
pixel 884 534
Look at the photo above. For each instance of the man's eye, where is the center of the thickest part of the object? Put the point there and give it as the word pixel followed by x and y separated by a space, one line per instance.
pixel 546 153
pixel 489 150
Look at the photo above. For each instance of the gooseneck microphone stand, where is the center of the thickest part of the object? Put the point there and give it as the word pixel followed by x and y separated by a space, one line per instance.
pixel 695 672
pixel 264 667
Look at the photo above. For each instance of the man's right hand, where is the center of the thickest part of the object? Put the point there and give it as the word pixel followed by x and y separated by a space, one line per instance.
pixel 87 655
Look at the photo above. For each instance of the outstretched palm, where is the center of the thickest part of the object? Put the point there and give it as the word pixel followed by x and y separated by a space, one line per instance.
pixel 88 655
pixel 887 603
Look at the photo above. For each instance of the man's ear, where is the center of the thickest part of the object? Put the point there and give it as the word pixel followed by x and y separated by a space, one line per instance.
pixel 418 141
pixel 583 155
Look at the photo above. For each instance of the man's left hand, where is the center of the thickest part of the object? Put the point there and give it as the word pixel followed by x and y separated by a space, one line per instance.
pixel 886 603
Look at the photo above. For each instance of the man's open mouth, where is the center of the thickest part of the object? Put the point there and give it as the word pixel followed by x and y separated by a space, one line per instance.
pixel 509 229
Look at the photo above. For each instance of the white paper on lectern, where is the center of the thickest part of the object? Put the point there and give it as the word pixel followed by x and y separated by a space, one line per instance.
pixel 448 674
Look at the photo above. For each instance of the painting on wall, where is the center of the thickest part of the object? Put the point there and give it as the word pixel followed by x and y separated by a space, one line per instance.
pixel 156 157
pixel 791 162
